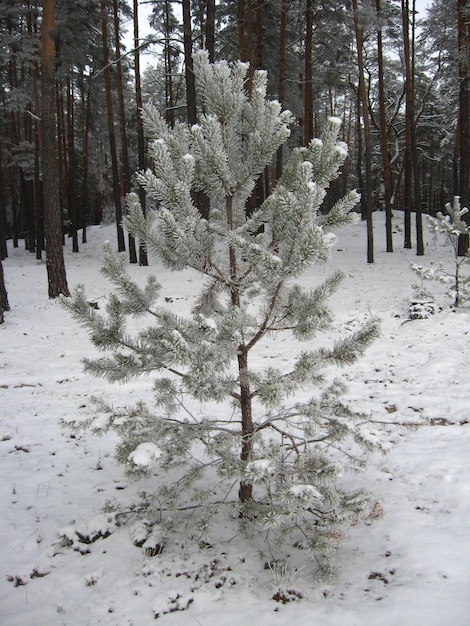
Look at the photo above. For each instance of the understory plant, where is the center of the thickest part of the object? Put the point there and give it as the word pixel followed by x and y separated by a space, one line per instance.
pixel 453 228
pixel 270 442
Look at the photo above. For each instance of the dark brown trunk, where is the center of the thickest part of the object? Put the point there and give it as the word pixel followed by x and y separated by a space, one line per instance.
pixel 387 173
pixel 170 109
pixel 3 210
pixel 414 147
pixel 210 30
pixel 282 77
pixel 362 95
pixel 188 61
pixel 4 305
pixel 140 129
pixel 241 30
pixel 408 154
pixel 464 117
pixel 246 489
pixel 72 169
pixel 308 85
pixel 125 170
pixel 112 138
pixel 57 281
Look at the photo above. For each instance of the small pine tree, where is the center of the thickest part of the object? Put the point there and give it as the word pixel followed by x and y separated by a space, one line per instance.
pixel 453 227
pixel 282 447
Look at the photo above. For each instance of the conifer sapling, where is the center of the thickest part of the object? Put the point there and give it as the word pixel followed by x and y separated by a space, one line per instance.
pixel 280 448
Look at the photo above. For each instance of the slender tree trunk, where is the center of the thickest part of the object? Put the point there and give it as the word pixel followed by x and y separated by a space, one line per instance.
pixel 200 199
pixel 408 153
pixel 414 146
pixel 126 175
pixel 387 172
pixel 140 129
pixel 464 116
pixel 241 30
pixel 112 138
pixel 86 149
pixel 57 281
pixel 367 141
pixel 3 211
pixel 4 305
pixel 282 77
pixel 188 61
pixel 169 108
pixel 72 168
pixel 308 84
pixel 246 489
pixel 210 30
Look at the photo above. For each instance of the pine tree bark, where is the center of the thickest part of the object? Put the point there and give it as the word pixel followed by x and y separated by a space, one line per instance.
pixel 387 172
pixel 71 168
pixel 408 154
pixel 210 30
pixel 362 95
pixel 3 211
pixel 282 77
pixel 308 78
pixel 464 116
pixel 143 260
pixel 188 62
pixel 414 145
pixel 125 171
pixel 112 137
pixel 57 280
pixel 4 305
pixel 241 30
pixel 170 105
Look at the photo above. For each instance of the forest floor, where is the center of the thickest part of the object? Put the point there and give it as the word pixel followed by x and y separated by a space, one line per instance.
pixel 409 566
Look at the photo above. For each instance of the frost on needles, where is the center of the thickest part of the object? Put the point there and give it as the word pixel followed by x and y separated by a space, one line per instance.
pixel 270 451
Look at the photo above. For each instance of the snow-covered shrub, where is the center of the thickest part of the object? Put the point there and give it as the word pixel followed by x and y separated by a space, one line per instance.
pixel 452 226
pixel 274 441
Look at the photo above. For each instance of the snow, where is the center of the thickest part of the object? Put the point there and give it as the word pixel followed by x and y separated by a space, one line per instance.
pixel 145 454
pixel 70 533
pixel 305 492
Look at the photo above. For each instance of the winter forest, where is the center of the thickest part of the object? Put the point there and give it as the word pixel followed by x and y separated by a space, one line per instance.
pixel 234 246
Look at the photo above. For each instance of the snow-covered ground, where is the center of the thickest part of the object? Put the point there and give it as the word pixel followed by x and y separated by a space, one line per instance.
pixel 408 566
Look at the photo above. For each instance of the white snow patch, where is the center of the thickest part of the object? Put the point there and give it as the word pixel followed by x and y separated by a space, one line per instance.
pixel 145 454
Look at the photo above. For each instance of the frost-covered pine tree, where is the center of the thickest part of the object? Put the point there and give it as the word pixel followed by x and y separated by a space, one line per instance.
pixel 270 450
pixel 451 225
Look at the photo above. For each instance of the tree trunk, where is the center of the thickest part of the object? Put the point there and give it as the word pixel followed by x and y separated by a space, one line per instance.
pixel 112 138
pixel 387 172
pixel 408 153
pixel 414 147
pixel 241 30
pixel 57 281
pixel 4 305
pixel 282 77
pixel 367 141
pixel 3 211
pixel 188 62
pixel 210 30
pixel 246 489
pixel 245 400
pixel 464 117
pixel 126 175
pixel 86 149
pixel 140 129
pixel 308 79
pixel 201 200
pixel 71 169
pixel 169 105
